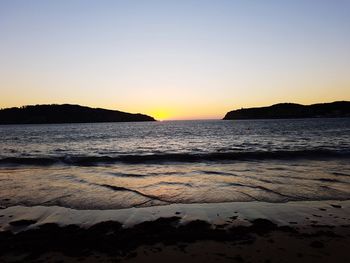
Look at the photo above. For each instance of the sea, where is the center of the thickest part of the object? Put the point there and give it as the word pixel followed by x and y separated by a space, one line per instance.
pixel 140 164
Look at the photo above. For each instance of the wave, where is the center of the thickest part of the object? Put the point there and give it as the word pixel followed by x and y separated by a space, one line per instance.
pixel 176 157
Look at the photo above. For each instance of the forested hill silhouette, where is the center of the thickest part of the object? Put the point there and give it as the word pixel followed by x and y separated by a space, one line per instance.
pixel 293 110
pixel 66 113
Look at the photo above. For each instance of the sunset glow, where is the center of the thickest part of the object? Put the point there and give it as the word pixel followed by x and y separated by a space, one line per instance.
pixel 161 114
pixel 174 59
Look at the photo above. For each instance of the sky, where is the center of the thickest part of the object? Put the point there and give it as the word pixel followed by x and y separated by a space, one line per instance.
pixel 180 59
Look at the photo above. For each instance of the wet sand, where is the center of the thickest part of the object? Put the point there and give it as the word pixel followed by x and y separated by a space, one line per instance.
pixel 313 231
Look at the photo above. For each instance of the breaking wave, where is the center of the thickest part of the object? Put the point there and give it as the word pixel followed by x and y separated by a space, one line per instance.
pixel 176 157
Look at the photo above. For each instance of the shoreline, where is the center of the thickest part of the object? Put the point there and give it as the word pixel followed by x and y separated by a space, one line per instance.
pixel 212 213
pixel 133 234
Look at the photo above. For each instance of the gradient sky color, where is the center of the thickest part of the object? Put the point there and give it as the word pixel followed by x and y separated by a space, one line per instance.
pixel 180 59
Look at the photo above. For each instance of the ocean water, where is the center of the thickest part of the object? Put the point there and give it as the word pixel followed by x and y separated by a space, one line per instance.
pixel 119 165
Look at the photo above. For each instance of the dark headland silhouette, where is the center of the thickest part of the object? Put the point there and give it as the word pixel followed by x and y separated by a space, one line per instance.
pixel 293 110
pixel 66 113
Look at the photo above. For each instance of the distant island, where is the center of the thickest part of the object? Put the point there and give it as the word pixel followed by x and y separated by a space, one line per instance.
pixel 293 110
pixel 65 113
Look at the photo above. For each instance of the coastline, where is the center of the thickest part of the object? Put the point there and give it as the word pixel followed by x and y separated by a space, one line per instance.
pixel 36 232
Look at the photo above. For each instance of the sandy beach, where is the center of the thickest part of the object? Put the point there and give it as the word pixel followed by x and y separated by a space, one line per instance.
pixel 225 232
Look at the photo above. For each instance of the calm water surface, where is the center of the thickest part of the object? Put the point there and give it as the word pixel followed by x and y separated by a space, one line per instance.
pixel 117 165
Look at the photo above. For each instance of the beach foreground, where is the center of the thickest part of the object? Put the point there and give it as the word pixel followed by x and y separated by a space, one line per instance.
pixel 305 231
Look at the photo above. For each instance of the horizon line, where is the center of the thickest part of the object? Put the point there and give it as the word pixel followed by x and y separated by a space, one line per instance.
pixel 173 119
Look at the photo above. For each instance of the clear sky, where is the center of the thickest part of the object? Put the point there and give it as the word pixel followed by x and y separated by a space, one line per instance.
pixel 180 59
